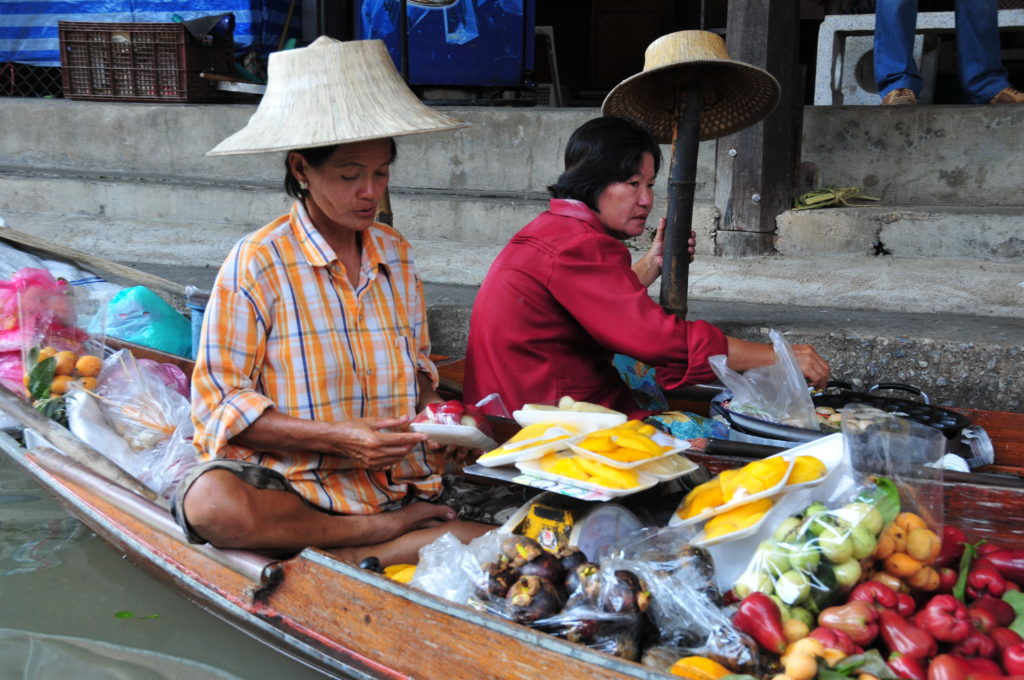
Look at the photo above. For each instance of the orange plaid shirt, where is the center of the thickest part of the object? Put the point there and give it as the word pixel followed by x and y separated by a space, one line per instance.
pixel 285 328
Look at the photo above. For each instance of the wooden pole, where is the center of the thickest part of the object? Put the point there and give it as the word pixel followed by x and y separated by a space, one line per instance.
pixel 71 446
pixel 682 182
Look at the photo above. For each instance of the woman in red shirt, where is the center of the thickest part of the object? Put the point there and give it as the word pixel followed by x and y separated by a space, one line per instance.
pixel 563 296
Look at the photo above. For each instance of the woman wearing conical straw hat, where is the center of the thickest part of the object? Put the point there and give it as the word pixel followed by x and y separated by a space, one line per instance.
pixel 314 350
pixel 563 296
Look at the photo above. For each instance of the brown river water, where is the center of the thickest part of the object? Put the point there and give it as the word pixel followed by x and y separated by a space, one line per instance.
pixel 71 607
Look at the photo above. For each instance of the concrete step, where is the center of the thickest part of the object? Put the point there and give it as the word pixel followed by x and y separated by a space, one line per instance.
pixel 937 231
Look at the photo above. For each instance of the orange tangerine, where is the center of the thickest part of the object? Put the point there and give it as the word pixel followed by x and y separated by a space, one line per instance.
pixel 88 382
pixel 46 353
pixel 88 365
pixel 65 362
pixel 60 384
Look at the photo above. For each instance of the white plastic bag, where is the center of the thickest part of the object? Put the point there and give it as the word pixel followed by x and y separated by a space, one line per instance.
pixel 777 392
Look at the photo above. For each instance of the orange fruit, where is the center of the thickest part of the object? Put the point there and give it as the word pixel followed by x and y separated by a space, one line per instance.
pixel 60 384
pixel 88 366
pixel 46 353
pixel 65 362
pixel 88 382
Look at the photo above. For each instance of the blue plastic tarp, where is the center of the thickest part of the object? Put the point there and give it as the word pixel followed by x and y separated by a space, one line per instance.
pixel 28 29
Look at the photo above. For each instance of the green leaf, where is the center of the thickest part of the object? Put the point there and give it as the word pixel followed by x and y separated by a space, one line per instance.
pixel 870 661
pixel 41 377
pixel 1015 599
pixel 124 614
pixel 885 496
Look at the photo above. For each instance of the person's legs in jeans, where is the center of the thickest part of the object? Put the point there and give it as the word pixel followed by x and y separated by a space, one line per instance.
pixel 978 56
pixel 895 21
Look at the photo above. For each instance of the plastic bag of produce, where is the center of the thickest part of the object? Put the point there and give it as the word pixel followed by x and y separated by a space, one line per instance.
pixel 777 393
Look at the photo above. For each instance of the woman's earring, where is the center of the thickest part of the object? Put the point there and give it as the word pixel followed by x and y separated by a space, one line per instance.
pixel 304 186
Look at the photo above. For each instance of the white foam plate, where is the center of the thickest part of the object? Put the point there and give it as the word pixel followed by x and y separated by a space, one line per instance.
pixel 669 468
pixel 676 521
pixel 528 453
pixel 456 435
pixel 583 421
pixel 662 439
pixel 533 468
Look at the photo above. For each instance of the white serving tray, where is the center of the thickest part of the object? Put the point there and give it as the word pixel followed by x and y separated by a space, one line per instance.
pixel 541 449
pixel 583 421
pixel 456 435
pixel 533 468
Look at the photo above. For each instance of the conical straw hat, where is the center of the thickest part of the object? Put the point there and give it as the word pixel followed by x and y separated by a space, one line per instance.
pixel 735 94
pixel 333 92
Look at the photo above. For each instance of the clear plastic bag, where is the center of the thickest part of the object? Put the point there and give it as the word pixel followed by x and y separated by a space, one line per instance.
pixel 777 393
pixel 137 401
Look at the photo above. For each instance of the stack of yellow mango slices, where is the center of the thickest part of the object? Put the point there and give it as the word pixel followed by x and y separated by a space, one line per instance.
pixel 627 443
pixel 589 471
pixel 734 485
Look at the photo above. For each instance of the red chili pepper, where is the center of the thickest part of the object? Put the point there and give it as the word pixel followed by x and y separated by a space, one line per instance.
pixel 981 618
pixel 832 638
pixel 975 644
pixel 946 667
pixel 858 619
pixel 952 547
pixel 985 579
pixel 1010 564
pixel 907 666
pixel 1004 637
pixel 1013 659
pixel 946 619
pixel 759 617
pixel 874 593
pixel 903 637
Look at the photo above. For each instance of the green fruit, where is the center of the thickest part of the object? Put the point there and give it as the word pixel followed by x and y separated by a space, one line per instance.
pixel 804 557
pixel 773 557
pixel 785 527
pixel 801 614
pixel 814 508
pixel 847 573
pixel 754 581
pixel 835 544
pixel 793 587
pixel 862 514
pixel 864 542
pixel 783 608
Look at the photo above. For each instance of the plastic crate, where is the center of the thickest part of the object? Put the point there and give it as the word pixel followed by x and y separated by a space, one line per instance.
pixel 140 63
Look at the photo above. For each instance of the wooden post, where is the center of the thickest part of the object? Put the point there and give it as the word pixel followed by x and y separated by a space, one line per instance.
pixel 755 168
pixel 682 182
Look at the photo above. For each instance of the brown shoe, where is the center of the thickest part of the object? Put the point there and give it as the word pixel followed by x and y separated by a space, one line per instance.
pixel 901 96
pixel 1008 95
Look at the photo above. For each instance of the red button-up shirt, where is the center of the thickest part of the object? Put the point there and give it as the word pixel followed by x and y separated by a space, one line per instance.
pixel 558 302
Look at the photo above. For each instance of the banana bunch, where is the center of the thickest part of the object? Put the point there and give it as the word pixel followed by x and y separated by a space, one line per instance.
pixel 829 197
pixel 626 443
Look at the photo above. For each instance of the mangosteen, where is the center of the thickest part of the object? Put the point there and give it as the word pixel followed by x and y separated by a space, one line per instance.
pixel 582 631
pixel 533 598
pixel 371 564
pixel 583 580
pixel 571 557
pixel 500 576
pixel 521 549
pixel 626 595
pixel 545 565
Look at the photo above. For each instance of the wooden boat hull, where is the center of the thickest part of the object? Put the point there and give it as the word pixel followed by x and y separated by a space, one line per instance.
pixel 342 620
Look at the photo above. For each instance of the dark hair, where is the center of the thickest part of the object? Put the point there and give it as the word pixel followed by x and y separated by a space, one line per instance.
pixel 601 152
pixel 315 156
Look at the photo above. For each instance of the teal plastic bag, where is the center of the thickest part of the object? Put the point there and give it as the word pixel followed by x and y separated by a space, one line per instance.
pixel 141 316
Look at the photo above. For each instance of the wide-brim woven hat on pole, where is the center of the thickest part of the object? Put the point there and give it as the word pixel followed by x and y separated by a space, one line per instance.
pixel 735 94
pixel 333 92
